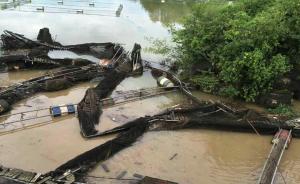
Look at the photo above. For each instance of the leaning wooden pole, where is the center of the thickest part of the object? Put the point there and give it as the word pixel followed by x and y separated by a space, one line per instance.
pixel 280 143
pixel 183 88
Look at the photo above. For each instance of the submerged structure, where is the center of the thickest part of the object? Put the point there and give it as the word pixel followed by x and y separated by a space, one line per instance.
pixel 115 64
pixel 205 115
pixel 89 109
pixel 23 53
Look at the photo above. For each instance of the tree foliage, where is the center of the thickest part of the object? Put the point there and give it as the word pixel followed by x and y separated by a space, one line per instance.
pixel 249 43
pixel 284 110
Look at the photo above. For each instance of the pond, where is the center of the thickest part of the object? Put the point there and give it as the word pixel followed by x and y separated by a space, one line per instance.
pixel 202 156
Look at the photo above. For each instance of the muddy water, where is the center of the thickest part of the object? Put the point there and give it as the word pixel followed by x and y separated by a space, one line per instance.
pixel 11 78
pixel 198 156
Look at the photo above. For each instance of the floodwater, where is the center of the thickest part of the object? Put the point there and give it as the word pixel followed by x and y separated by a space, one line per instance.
pixel 198 156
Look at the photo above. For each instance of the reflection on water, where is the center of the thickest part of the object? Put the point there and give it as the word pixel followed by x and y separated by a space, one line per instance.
pixel 18 76
pixel 133 26
pixel 168 12
pixel 68 54
pixel 6 4
pixel 70 7
pixel 202 156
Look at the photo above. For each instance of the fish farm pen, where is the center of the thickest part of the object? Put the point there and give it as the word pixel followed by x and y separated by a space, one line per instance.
pixel 120 64
pixel 104 67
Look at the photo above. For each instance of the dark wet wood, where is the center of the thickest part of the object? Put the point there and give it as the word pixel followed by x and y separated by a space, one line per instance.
pixel 89 112
pixel 149 180
pixel 8 181
pixel 280 143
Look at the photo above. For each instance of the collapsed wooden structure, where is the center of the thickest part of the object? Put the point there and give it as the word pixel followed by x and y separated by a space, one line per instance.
pixel 206 115
pixel 71 71
pixel 21 52
pixel 54 81
pixel 199 115
pixel 89 109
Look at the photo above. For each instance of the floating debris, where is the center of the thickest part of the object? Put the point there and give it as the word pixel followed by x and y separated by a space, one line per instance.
pixel 138 176
pixel 104 167
pixel 114 68
pixel 199 116
pixel 119 10
pixel 89 109
pixel 62 79
pixel 37 51
pixel 122 174
pixel 149 180
pixel 62 109
pixel 173 156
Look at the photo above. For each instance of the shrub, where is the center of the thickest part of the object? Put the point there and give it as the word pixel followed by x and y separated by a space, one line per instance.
pixel 283 110
pixel 208 83
pixel 250 43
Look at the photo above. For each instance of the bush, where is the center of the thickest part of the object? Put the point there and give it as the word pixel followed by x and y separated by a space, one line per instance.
pixel 228 91
pixel 208 83
pixel 250 43
pixel 283 110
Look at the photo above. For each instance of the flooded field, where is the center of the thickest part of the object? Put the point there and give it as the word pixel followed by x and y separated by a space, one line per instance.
pixel 185 156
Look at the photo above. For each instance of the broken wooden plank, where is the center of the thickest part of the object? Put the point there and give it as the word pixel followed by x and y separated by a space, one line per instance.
pixel 280 143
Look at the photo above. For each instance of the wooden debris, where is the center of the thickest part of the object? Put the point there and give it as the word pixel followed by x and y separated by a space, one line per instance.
pixel 105 168
pixel 149 180
pixel 173 156
pixel 122 174
pixel 138 176
pixel 280 143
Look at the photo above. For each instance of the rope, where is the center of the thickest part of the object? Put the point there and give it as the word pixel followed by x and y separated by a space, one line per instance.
pixel 283 178
pixel 110 178
pixel 100 177
pixel 26 127
pixel 275 164
pixel 21 120
pixel 253 127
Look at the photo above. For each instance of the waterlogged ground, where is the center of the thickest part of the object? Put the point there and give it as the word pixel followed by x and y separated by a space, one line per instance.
pixel 198 156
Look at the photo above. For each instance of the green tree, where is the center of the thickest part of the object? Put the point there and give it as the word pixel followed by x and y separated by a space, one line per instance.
pixel 250 43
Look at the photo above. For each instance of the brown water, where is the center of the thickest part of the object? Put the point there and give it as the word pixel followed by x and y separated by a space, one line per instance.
pixel 202 156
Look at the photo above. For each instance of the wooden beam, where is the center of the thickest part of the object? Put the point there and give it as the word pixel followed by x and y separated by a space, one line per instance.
pixel 149 180
pixel 280 143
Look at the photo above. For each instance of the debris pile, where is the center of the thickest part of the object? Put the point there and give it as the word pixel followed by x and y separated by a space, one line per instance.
pixel 21 52
pixel 74 70
pixel 115 65
pixel 89 109
pixel 62 79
